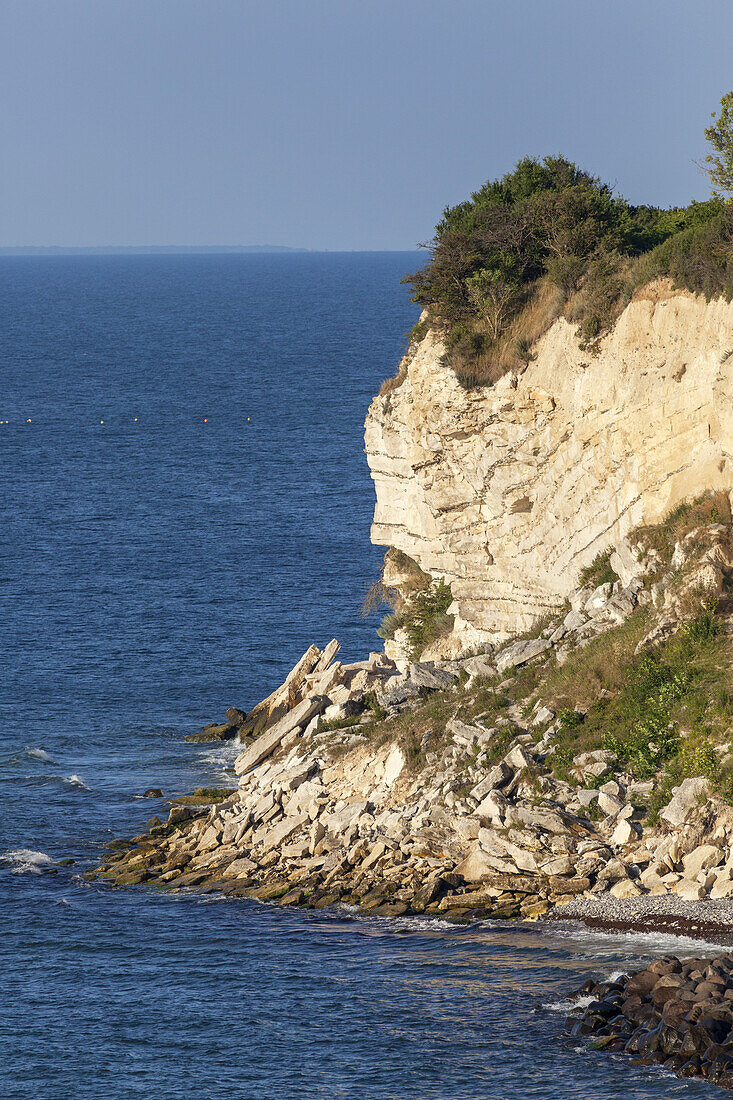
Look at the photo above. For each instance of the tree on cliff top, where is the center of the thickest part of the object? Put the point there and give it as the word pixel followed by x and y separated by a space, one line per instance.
pixel 548 240
pixel 719 164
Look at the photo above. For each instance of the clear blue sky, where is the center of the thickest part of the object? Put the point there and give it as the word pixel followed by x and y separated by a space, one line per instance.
pixel 340 124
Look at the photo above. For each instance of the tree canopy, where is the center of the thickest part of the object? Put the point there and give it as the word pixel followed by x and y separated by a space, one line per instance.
pixel 719 163
pixel 550 238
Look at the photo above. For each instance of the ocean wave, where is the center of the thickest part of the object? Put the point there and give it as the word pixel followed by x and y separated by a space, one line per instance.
pixel 569 1004
pixel 222 757
pixel 25 861
pixel 39 754
pixel 598 942
pixel 414 922
pixel 77 781
pixel 616 974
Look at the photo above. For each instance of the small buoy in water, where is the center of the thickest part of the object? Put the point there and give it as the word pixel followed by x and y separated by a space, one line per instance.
pixel 206 421
pixel 136 420
pixel 101 422
pixel 28 420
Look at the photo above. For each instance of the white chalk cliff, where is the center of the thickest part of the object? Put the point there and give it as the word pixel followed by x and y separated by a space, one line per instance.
pixel 508 491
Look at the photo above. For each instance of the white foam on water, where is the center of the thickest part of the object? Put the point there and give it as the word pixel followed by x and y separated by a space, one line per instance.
pixel 77 781
pixel 220 763
pixel 595 942
pixel 24 861
pixel 39 754
pixel 569 1003
pixel 409 924
pixel 614 977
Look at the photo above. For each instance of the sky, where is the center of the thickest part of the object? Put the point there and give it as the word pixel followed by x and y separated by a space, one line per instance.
pixel 336 124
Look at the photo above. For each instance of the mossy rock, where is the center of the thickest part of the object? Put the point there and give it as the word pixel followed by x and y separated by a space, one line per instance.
pixel 505 912
pixel 325 901
pixel 240 889
pixel 132 878
pixel 175 863
pixel 603 1042
pixel 378 895
pixel 213 732
pixel 191 878
pixel 294 897
pixel 268 893
pixel 533 910
pixel 458 915
pixel 390 909
pixel 205 796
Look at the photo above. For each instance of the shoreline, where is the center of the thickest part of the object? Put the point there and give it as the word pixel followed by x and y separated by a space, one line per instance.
pixel 676 1013
pixel 685 920
pixel 435 791
pixel 673 916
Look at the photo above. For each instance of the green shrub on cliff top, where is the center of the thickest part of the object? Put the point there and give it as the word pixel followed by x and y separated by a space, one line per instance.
pixel 699 258
pixel 546 224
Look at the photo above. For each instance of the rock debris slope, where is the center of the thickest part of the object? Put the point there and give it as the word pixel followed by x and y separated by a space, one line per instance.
pixel 438 790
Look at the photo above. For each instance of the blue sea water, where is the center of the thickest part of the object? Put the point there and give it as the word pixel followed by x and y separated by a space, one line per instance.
pixel 184 508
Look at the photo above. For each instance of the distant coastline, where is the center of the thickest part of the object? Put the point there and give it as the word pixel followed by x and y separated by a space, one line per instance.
pixel 140 250
pixel 170 250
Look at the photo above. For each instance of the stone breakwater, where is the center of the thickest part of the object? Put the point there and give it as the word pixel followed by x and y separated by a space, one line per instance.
pixel 678 1013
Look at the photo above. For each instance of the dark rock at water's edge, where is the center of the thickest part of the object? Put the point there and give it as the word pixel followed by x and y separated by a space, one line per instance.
pixel 677 1013
pixel 214 731
pixel 238 724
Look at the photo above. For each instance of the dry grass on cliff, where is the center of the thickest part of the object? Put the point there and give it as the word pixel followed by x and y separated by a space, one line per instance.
pixel 600 668
pixel 378 596
pixel 713 507
pixel 419 730
pixel 658 290
pixel 391 384
pixel 512 350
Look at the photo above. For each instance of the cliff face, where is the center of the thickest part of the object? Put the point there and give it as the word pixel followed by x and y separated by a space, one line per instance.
pixel 509 491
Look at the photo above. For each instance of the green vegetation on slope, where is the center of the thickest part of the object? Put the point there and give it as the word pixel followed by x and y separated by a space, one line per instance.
pixel 421 610
pixel 665 712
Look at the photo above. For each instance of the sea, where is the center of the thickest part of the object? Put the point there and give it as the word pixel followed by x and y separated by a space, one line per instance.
pixel 185 508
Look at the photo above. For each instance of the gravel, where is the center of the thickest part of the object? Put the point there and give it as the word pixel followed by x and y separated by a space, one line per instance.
pixel 651 913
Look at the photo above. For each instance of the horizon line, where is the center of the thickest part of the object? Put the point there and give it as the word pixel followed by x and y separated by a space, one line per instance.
pixel 154 249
